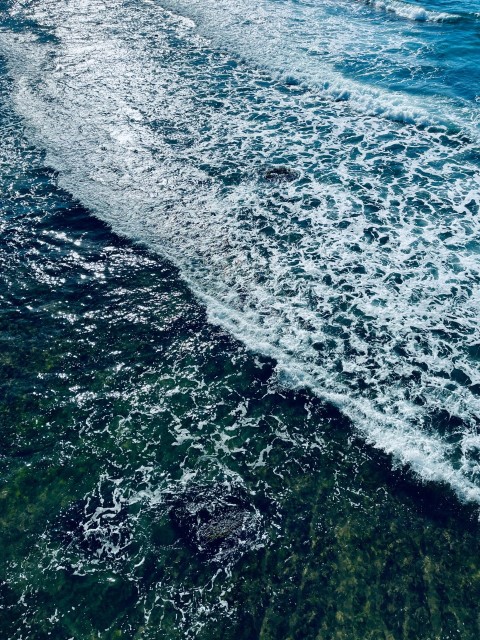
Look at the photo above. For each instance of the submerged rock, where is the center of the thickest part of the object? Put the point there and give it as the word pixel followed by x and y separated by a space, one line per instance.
pixel 215 521
pixel 280 174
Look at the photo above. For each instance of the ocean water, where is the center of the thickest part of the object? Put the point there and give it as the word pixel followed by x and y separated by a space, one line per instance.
pixel 239 302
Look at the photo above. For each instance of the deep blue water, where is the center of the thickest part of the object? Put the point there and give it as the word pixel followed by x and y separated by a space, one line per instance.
pixel 214 213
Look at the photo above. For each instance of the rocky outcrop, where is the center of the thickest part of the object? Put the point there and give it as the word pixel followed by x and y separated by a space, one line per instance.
pixel 214 520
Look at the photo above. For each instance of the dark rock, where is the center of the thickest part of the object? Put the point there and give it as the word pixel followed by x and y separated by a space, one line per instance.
pixel 281 174
pixel 214 520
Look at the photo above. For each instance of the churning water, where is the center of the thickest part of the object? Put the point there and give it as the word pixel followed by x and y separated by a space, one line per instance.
pixel 310 170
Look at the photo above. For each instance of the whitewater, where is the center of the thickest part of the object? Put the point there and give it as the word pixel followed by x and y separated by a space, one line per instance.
pixel 321 206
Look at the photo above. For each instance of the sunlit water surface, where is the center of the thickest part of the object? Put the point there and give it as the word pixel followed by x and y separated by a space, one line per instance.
pixel 240 261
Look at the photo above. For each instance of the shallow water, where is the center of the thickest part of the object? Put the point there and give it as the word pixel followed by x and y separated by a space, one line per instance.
pixel 240 256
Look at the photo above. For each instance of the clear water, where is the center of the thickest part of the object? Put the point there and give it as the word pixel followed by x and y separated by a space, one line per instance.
pixel 240 251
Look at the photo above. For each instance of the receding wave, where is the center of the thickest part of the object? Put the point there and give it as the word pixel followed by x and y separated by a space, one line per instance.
pixel 345 247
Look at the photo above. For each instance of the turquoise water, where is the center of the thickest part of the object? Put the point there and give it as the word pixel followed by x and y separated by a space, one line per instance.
pixel 239 319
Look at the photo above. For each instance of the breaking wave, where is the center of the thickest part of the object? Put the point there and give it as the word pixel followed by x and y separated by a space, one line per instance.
pixel 413 11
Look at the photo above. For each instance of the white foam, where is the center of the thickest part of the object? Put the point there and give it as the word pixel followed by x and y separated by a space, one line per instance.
pixel 413 11
pixel 360 278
